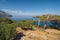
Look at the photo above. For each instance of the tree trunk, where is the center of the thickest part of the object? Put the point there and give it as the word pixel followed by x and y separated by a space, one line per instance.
pixel 45 26
pixel 38 23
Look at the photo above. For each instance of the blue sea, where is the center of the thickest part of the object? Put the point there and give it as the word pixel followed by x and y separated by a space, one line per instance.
pixel 23 18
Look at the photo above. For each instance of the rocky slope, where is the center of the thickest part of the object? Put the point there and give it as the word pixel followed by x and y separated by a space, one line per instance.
pixel 48 34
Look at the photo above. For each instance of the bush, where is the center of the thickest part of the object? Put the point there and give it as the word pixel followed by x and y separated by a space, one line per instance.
pixel 7 31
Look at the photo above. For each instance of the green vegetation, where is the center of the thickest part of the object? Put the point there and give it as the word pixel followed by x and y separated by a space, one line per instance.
pixel 47 17
pixel 8 27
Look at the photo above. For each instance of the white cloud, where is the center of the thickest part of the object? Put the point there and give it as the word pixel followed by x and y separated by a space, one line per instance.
pixel 19 12
pixel 13 12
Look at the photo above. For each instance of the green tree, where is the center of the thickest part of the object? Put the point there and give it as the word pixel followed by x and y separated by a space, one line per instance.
pixel 47 17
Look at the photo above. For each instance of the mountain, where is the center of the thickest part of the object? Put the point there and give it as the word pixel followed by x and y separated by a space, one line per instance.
pixel 4 14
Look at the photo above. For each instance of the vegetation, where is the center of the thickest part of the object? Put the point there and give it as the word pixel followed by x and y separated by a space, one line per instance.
pixel 47 17
pixel 7 26
pixel 7 29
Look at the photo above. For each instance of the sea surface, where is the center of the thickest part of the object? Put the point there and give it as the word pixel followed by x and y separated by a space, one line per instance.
pixel 23 18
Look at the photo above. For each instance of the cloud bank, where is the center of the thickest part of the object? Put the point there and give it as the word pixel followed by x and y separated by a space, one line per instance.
pixel 18 13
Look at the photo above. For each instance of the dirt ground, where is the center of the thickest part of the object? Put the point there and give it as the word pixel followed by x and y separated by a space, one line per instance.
pixel 48 34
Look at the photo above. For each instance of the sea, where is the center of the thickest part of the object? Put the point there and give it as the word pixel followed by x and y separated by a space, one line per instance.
pixel 23 18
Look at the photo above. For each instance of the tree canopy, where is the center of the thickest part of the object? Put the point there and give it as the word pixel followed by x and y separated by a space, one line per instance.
pixel 48 17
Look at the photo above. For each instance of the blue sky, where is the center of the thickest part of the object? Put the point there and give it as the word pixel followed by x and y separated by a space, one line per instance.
pixel 30 7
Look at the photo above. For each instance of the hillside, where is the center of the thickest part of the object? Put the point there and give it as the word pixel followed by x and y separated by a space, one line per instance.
pixel 4 14
pixel 48 34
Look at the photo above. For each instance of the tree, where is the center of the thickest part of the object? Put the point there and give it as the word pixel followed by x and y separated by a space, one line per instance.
pixel 38 20
pixel 47 17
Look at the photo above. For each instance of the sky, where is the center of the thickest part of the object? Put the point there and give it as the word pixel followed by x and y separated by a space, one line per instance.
pixel 30 7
